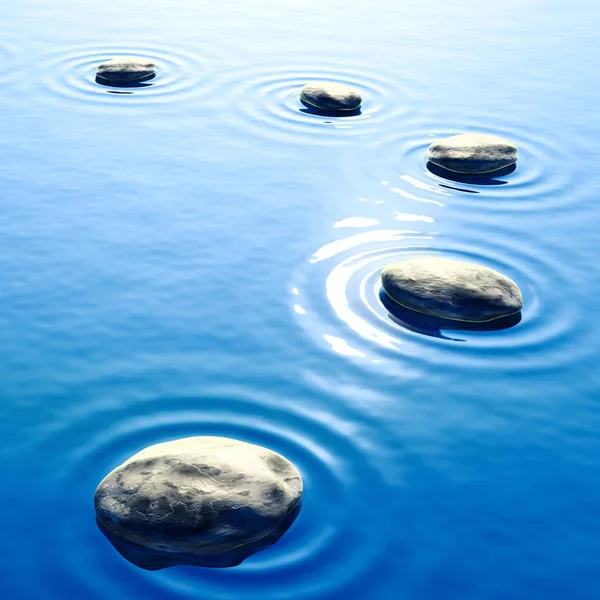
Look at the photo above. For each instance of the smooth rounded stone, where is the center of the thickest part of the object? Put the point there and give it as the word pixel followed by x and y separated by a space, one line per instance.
pixel 473 153
pixel 451 289
pixel 204 501
pixel 126 69
pixel 329 96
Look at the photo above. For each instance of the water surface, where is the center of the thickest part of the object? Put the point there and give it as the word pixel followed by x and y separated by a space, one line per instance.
pixel 200 256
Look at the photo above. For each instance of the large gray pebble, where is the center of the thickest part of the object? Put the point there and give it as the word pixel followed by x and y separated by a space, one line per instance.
pixel 473 153
pixel 330 96
pixel 205 501
pixel 126 69
pixel 451 289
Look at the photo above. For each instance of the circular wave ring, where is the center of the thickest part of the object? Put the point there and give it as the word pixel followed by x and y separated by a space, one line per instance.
pixel 538 182
pixel 72 74
pixel 345 307
pixel 269 102
pixel 326 541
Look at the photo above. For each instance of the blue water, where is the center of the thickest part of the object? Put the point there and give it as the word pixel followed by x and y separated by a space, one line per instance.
pixel 201 257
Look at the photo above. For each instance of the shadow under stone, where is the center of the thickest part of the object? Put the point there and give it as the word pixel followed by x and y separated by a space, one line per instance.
pixel 475 179
pixel 433 326
pixel 153 559
pixel 125 84
pixel 313 110
pixel 449 187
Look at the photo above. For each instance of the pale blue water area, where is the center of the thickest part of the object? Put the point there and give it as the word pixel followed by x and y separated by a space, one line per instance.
pixel 202 257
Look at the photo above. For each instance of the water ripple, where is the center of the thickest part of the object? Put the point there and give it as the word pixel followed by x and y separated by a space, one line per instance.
pixel 338 293
pixel 539 182
pixel 335 457
pixel 269 102
pixel 71 74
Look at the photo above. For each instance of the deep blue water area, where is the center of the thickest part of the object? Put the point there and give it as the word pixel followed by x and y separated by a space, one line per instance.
pixel 201 256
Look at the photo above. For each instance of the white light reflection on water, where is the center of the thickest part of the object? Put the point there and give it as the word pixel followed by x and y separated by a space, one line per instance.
pixel 410 217
pixel 341 346
pixel 355 222
pixel 424 186
pixel 383 235
pixel 410 196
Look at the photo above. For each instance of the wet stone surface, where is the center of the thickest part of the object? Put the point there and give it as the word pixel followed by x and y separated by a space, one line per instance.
pixel 451 289
pixel 330 97
pixel 473 153
pixel 126 70
pixel 204 501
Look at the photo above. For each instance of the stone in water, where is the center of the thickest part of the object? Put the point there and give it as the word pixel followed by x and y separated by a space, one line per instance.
pixel 330 96
pixel 204 501
pixel 473 153
pixel 126 69
pixel 451 289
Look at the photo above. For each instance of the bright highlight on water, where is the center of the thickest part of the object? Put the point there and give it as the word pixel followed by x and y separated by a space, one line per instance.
pixel 297 301
pixel 433 286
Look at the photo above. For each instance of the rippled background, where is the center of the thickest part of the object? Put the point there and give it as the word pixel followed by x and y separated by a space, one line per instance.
pixel 200 256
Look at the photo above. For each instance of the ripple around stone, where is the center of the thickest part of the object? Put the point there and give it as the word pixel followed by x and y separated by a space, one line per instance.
pixel 353 319
pixel 537 182
pixel 72 74
pixel 269 103
pixel 330 455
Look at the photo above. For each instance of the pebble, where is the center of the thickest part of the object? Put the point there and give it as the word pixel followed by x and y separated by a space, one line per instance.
pixel 126 69
pixel 329 96
pixel 473 153
pixel 451 289
pixel 203 501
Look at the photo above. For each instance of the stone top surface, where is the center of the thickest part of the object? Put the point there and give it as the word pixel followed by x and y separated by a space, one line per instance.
pixel 199 495
pixel 124 69
pixel 331 96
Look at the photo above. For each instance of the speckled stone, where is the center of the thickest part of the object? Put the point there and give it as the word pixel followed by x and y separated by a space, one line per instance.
pixel 473 153
pixel 330 96
pixel 451 289
pixel 204 501
pixel 126 69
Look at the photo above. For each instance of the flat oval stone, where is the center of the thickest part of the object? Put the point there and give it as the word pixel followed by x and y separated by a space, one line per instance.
pixel 126 69
pixel 473 153
pixel 451 289
pixel 330 96
pixel 205 501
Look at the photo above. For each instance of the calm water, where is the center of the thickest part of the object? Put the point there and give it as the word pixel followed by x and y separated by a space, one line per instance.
pixel 201 257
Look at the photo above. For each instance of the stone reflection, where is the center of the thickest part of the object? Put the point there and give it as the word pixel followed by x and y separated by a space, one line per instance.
pixel 435 326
